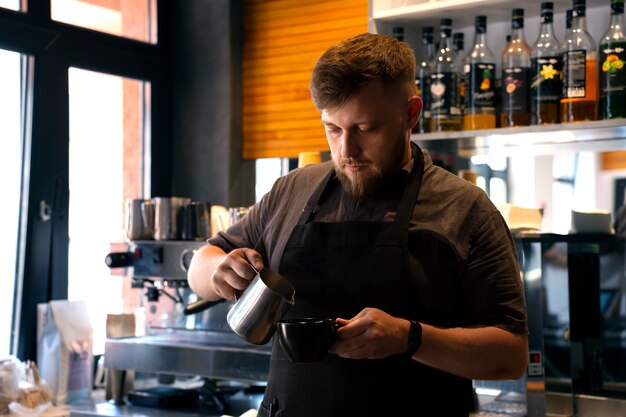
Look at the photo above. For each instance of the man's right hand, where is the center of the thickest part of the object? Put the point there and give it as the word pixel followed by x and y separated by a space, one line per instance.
pixel 215 274
pixel 235 271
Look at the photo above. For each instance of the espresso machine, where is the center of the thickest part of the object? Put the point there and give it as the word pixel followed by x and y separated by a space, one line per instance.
pixel 184 337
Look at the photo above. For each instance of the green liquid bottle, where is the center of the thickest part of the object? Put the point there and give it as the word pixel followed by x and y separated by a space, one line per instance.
pixel 612 61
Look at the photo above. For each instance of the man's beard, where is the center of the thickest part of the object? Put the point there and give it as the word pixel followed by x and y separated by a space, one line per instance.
pixel 362 186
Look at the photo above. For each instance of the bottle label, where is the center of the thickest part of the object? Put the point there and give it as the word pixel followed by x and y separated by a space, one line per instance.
pixel 613 75
pixel 444 94
pixel 480 79
pixel 515 89
pixel 547 75
pixel 422 83
pixel 574 74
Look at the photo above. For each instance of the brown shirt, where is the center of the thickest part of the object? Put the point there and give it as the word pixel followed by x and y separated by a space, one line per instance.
pixel 456 236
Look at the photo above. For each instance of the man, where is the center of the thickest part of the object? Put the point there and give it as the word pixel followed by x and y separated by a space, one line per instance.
pixel 416 264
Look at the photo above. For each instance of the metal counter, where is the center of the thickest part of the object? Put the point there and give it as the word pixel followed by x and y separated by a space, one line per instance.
pixel 211 354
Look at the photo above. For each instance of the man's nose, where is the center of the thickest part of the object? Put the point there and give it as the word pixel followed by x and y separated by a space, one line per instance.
pixel 349 145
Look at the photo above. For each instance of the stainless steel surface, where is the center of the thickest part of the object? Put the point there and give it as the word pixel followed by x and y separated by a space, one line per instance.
pixel 135 226
pixel 561 404
pixel 265 301
pixel 238 402
pixel 168 217
pixel 196 221
pixel 530 267
pixel 596 136
pixel 220 355
pixel 167 260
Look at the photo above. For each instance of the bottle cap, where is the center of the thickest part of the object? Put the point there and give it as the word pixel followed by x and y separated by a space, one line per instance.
pixel 517 18
pixel 579 8
pixel 398 33
pixel 547 14
pixel 446 27
pixel 617 6
pixel 458 39
pixel 568 19
pixel 427 35
pixel 481 24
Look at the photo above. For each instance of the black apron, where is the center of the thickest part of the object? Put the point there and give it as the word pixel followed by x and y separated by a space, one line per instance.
pixel 338 269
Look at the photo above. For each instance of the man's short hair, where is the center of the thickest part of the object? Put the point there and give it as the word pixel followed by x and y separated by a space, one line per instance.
pixel 349 66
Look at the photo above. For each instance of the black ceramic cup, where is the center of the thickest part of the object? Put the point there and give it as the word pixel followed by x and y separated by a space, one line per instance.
pixel 308 339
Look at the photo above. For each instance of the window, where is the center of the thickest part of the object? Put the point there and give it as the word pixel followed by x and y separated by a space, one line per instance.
pixel 11 148
pixel 106 167
pixel 10 4
pixel 134 19
pixel 84 125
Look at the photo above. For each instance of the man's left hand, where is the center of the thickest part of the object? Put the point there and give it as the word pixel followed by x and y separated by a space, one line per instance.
pixel 371 334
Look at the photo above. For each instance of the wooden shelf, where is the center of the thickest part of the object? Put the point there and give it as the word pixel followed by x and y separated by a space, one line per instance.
pixel 462 11
pixel 604 135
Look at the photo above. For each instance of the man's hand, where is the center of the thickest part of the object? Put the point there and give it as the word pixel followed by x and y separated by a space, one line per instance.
pixel 235 271
pixel 371 334
pixel 215 274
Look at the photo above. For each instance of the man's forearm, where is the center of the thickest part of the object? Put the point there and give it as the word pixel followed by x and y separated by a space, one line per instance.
pixel 475 353
pixel 203 266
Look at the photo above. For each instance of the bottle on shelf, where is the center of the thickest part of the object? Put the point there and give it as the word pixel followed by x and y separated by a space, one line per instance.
pixel 546 72
pixel 444 84
pixel 515 110
pixel 398 33
pixel 498 89
pixel 458 39
pixel 480 72
pixel 579 97
pixel 422 78
pixel 612 59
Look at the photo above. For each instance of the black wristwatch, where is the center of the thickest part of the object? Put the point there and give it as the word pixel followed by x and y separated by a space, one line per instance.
pixel 415 339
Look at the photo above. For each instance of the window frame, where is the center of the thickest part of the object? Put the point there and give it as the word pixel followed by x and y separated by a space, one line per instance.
pixel 55 47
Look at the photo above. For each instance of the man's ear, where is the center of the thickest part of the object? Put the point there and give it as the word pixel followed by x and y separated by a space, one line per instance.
pixel 414 110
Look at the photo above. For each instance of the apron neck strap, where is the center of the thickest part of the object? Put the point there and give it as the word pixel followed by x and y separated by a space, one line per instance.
pixel 411 189
pixel 311 205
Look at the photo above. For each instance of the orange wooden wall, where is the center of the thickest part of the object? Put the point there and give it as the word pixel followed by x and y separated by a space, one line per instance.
pixel 282 41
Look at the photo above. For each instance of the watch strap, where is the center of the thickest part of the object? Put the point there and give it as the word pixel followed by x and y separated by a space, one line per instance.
pixel 415 338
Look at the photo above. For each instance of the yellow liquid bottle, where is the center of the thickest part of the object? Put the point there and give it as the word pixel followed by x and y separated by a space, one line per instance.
pixel 580 92
pixel 480 71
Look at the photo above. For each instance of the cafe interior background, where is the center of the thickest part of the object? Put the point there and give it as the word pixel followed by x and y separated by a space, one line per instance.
pixel 107 100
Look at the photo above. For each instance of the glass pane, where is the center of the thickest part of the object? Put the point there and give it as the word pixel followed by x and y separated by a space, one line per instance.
pixel 106 155
pixel 10 174
pixel 134 19
pixel 10 4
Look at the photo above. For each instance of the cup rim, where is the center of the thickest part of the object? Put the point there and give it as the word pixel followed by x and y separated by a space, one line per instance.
pixel 306 320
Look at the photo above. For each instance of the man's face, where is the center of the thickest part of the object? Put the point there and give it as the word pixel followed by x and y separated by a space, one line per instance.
pixel 369 139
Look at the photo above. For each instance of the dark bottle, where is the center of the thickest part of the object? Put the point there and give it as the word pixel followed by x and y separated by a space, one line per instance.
pixel 498 90
pixel 568 22
pixel 398 33
pixel 480 73
pixel 546 72
pixel 458 39
pixel 613 57
pixel 444 84
pixel 422 78
pixel 579 97
pixel 516 76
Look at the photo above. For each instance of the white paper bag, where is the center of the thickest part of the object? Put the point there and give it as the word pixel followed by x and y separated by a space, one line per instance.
pixel 64 350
